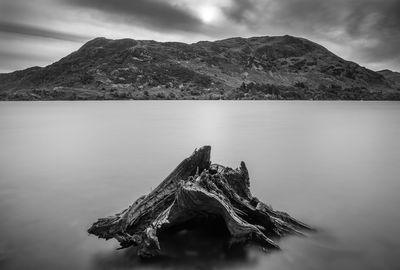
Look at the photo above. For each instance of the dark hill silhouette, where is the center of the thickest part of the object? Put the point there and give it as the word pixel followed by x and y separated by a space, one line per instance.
pixel 282 67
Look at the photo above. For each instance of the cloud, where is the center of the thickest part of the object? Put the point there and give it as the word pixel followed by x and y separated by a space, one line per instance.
pixel 30 30
pixel 238 10
pixel 364 31
pixel 152 13
pixel 11 61
pixel 371 28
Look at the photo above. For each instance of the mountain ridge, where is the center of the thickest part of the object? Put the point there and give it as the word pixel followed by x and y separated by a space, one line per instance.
pixel 277 67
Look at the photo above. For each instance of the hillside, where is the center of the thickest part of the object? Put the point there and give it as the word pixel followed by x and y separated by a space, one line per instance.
pixel 283 67
pixel 393 77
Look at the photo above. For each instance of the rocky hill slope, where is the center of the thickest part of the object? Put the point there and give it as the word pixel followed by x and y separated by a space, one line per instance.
pixel 283 67
pixel 393 77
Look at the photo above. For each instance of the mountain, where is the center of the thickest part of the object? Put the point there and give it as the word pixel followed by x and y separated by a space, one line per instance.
pixel 282 67
pixel 392 76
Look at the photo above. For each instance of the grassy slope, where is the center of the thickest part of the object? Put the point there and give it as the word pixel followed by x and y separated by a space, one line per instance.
pixel 256 68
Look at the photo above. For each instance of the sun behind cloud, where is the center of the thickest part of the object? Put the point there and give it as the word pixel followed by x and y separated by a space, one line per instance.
pixel 209 13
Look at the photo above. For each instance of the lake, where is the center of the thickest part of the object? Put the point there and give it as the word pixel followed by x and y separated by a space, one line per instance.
pixel 333 165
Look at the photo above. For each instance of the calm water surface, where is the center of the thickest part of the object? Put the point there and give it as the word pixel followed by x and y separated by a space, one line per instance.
pixel 334 165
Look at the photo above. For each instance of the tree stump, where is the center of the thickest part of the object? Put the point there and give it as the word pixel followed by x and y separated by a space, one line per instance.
pixel 197 192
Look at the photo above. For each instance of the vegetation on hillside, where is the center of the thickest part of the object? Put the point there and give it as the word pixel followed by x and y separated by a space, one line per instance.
pixel 255 68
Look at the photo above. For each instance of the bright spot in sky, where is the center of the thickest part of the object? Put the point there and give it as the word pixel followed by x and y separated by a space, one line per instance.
pixel 208 13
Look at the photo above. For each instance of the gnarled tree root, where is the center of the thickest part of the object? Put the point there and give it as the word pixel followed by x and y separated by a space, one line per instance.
pixel 198 190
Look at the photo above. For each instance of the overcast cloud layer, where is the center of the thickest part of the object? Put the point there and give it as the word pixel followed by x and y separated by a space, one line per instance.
pixel 39 32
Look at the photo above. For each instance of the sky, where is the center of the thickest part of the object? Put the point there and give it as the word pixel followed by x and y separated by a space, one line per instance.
pixel 40 32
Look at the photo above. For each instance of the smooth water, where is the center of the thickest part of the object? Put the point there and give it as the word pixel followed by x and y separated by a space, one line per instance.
pixel 333 165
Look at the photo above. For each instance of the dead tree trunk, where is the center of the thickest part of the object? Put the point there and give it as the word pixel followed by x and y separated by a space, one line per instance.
pixel 198 190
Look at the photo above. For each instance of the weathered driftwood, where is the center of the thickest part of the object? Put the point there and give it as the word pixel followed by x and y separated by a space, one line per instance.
pixel 196 191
